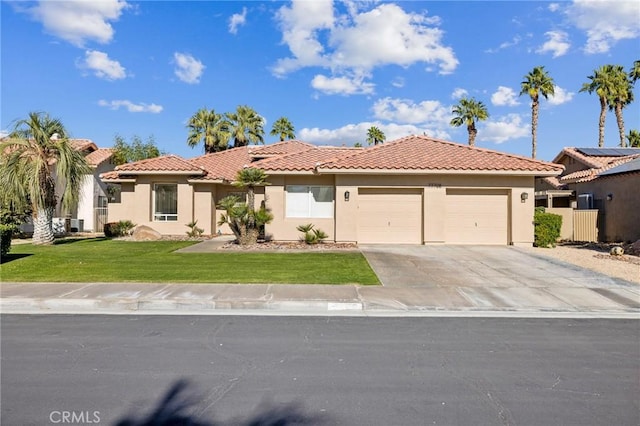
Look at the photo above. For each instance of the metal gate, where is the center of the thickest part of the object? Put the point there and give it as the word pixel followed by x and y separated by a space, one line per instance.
pixel 100 219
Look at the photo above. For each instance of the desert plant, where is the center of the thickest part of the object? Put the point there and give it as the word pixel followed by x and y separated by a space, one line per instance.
pixel 6 232
pixel 194 231
pixel 547 228
pixel 244 222
pixel 310 235
pixel 118 229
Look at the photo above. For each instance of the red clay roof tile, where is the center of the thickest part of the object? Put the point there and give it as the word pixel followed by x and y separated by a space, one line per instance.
pixel 166 163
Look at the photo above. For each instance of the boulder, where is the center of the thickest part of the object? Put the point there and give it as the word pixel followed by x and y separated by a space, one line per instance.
pixel 635 248
pixel 145 233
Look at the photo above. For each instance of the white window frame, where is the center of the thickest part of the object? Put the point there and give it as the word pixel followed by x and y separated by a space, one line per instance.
pixel 164 217
pixel 298 195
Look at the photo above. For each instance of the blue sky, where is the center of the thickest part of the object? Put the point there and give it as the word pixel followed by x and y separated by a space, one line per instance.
pixel 334 68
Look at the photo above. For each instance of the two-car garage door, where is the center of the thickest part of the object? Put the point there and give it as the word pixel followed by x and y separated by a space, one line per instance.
pixel 395 216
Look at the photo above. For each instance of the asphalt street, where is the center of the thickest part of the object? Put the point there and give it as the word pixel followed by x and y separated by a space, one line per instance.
pixel 335 370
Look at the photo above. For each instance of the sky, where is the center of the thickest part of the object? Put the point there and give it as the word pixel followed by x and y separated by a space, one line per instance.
pixel 333 68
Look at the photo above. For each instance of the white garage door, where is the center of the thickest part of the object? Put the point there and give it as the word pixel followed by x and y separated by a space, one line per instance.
pixel 390 216
pixel 477 217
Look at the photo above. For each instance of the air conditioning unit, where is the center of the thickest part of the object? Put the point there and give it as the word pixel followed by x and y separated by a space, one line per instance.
pixel 585 201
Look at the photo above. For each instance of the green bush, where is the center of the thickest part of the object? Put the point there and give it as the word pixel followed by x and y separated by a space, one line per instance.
pixel 311 235
pixel 6 232
pixel 194 231
pixel 118 229
pixel 547 228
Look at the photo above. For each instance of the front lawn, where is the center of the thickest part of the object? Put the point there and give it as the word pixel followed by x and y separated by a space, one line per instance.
pixel 103 260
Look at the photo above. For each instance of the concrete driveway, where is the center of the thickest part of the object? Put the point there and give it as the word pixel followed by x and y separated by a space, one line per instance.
pixel 493 277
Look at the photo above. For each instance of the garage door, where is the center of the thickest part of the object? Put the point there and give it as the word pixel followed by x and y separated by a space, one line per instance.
pixel 390 216
pixel 476 217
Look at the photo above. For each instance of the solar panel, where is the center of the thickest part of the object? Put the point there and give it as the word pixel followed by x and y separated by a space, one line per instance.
pixel 631 166
pixel 608 152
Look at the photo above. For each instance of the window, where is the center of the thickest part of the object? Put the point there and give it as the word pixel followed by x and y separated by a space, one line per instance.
pixel 165 202
pixel 309 201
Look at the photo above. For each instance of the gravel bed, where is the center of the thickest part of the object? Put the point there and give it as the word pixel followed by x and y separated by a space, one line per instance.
pixel 595 258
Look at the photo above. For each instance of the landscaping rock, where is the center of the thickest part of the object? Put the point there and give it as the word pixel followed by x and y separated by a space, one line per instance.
pixel 616 251
pixel 145 233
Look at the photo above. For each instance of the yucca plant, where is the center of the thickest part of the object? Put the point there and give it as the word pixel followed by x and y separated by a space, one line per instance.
pixel 310 235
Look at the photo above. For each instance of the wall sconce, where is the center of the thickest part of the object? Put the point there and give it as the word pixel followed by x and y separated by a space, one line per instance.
pixel 346 195
pixel 609 197
pixel 524 196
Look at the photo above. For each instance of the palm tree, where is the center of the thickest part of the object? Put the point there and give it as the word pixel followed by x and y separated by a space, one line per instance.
pixel 375 136
pixel 245 125
pixel 209 127
pixel 634 74
pixel 37 163
pixel 283 128
pixel 467 112
pixel 601 83
pixel 620 96
pixel 634 138
pixel 536 83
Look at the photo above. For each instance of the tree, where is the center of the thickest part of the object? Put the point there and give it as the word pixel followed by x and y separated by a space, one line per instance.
pixel 245 125
pixel 375 136
pixel 634 74
pixel 357 145
pixel 208 127
pixel 38 162
pixel 621 95
pixel 283 128
pixel 536 83
pixel 634 138
pixel 467 112
pixel 601 83
pixel 243 219
pixel 135 151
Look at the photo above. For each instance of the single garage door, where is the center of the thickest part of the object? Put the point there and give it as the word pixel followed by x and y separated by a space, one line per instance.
pixel 477 216
pixel 390 216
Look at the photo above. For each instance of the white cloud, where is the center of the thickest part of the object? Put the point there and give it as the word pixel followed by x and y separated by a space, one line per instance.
pixel 3 133
pixel 504 128
pixel 237 20
pixel 553 7
pixel 514 41
pixel 605 22
pixel 560 96
pixel 359 41
pixel 102 66
pixel 341 85
pixel 458 93
pixel 398 82
pixel 557 43
pixel 79 21
pixel 130 106
pixel 352 133
pixel 504 96
pixel 430 113
pixel 188 68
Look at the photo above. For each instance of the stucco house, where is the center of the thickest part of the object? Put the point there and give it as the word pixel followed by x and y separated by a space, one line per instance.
pixel 415 190
pixel 602 179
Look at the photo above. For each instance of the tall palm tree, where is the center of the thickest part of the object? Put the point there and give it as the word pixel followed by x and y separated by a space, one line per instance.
pixel 634 74
pixel 375 136
pixel 245 125
pixel 537 82
pixel 467 112
pixel 37 162
pixel 620 97
pixel 601 83
pixel 283 128
pixel 209 127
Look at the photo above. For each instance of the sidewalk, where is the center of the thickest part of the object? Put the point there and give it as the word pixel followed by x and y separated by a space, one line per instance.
pixel 283 299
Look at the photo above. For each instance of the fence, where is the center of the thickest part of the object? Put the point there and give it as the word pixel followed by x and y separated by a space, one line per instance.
pixel 100 218
pixel 585 225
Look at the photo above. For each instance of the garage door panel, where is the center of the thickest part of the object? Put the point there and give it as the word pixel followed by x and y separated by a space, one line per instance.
pixel 390 216
pixel 477 217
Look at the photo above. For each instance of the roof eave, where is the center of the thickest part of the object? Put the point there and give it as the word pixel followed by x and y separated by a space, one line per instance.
pixel 118 180
pixel 441 172
pixel 206 180
pixel 163 172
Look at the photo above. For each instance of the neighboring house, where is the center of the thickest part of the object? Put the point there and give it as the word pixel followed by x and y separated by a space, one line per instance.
pixel 90 215
pixel 602 179
pixel 415 190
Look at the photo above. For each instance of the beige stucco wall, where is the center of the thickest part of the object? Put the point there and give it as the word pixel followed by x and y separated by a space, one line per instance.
pixel 566 231
pixel 620 216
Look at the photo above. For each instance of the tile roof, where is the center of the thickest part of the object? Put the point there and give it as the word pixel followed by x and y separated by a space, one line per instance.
pixel 83 144
pixel 166 163
pixel 592 161
pixel 628 167
pixel 98 156
pixel 279 148
pixel 587 175
pixel 422 153
pixel 303 161
pixel 223 165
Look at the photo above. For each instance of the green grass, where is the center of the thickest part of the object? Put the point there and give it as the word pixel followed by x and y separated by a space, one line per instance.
pixel 104 260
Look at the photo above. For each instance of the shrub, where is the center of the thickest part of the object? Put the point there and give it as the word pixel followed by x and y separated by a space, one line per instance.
pixel 194 231
pixel 6 232
pixel 311 235
pixel 547 228
pixel 118 229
